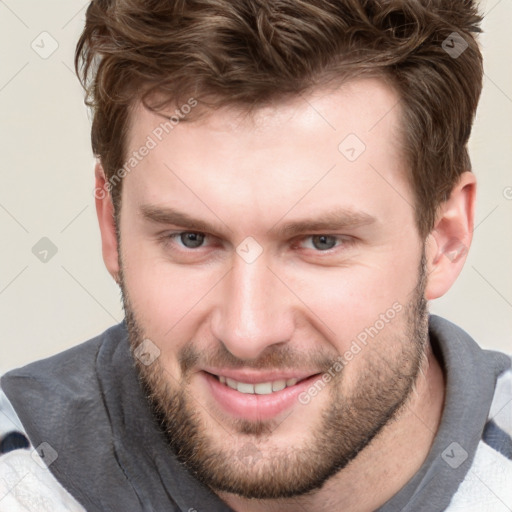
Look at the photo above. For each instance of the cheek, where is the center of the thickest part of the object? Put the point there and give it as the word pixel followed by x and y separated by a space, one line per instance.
pixel 168 299
pixel 343 302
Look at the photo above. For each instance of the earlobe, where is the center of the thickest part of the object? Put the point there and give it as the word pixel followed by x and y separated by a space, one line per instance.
pixel 105 212
pixel 448 243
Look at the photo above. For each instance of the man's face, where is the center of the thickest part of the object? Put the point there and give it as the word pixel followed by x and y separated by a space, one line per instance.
pixel 305 262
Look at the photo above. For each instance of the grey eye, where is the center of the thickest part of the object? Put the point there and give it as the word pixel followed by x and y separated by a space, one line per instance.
pixel 192 240
pixel 323 242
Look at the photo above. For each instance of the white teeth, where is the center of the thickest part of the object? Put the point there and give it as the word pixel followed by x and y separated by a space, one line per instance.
pixel 231 383
pixel 262 388
pixel 278 385
pixel 245 388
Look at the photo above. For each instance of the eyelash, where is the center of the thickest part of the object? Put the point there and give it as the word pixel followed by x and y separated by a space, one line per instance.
pixel 343 240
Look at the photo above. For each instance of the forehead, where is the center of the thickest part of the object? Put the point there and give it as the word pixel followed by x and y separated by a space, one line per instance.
pixel 365 106
pixel 331 147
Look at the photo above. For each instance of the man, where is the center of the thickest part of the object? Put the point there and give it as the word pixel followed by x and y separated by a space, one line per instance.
pixel 281 188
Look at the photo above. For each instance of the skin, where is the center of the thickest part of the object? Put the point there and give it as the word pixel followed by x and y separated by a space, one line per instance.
pixel 246 175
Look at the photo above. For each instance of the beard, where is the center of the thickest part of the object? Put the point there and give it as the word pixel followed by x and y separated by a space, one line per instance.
pixel 353 416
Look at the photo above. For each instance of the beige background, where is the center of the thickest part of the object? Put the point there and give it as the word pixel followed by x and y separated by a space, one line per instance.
pixel 47 182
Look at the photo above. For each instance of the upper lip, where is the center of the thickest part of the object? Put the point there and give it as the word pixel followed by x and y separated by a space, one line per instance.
pixel 255 377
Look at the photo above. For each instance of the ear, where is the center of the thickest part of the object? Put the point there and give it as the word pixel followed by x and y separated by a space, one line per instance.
pixel 448 243
pixel 105 212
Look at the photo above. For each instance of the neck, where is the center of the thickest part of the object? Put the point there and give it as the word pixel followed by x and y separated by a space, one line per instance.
pixel 384 466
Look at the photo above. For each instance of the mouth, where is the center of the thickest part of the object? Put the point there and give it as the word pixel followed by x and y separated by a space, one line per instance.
pixel 260 388
pixel 256 401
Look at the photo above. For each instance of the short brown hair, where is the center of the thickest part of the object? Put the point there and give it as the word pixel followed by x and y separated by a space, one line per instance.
pixel 247 52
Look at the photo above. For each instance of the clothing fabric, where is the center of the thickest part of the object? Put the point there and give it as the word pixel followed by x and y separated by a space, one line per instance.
pixel 95 446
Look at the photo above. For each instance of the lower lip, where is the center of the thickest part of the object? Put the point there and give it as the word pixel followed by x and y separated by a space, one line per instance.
pixel 252 406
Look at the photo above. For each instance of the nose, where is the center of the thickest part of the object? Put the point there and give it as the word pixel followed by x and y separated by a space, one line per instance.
pixel 255 309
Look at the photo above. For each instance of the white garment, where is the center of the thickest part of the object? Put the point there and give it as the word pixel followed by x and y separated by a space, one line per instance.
pixel 27 485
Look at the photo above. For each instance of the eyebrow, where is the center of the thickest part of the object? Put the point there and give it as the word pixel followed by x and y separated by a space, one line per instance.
pixel 337 219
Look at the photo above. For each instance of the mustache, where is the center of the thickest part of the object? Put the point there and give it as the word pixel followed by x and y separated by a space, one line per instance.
pixel 190 358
